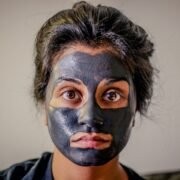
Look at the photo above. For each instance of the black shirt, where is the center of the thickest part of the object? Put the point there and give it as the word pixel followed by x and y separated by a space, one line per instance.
pixel 40 169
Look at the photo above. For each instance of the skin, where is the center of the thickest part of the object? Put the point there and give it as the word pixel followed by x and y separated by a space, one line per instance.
pixel 90 112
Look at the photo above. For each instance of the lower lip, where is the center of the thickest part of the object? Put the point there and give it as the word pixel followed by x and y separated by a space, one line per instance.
pixel 91 144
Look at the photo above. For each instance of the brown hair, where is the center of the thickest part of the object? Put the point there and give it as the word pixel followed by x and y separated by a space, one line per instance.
pixel 95 26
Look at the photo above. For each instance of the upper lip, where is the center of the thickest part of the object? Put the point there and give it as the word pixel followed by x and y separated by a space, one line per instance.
pixel 91 137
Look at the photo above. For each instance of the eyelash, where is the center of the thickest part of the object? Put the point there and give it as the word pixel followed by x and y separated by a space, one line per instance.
pixel 72 91
pixel 77 95
pixel 116 92
pixel 74 96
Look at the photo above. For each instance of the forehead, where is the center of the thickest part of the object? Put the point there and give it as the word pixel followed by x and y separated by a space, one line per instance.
pixel 84 66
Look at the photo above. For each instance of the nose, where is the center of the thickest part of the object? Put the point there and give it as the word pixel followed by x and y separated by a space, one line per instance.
pixel 90 115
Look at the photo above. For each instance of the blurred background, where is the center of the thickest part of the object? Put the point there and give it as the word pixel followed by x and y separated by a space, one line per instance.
pixel 154 145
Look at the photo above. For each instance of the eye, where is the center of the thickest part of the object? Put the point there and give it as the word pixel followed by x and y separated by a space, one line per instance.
pixel 68 94
pixel 71 95
pixel 111 95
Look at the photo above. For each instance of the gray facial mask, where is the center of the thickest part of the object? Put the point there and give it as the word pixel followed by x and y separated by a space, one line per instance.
pixel 64 123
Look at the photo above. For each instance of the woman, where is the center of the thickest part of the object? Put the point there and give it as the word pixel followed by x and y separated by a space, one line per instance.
pixel 93 74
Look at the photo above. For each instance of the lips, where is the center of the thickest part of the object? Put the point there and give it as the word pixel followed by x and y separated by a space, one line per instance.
pixel 93 140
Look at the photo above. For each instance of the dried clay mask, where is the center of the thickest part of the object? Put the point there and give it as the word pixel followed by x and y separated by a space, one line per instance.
pixel 90 104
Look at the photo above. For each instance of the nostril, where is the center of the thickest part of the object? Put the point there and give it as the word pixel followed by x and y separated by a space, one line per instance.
pixel 81 123
pixel 90 115
pixel 91 122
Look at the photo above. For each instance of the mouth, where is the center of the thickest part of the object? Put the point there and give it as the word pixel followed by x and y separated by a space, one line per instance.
pixel 93 140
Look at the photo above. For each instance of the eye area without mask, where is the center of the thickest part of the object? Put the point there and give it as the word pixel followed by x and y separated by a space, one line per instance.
pixel 72 93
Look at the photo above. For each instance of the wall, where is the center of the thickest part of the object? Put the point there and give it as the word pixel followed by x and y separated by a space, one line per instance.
pixel 154 144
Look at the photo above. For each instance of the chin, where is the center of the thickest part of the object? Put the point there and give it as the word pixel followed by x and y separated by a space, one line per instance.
pixel 89 162
pixel 90 157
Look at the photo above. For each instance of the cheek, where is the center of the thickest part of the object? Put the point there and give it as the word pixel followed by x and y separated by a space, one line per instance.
pixel 62 122
pixel 119 122
pixel 120 126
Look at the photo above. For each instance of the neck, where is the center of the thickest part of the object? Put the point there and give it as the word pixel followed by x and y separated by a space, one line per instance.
pixel 63 168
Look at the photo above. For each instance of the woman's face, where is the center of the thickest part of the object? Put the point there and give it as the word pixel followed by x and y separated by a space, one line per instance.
pixel 90 104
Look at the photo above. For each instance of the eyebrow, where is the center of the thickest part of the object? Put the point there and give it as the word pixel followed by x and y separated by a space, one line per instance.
pixel 112 80
pixel 68 79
